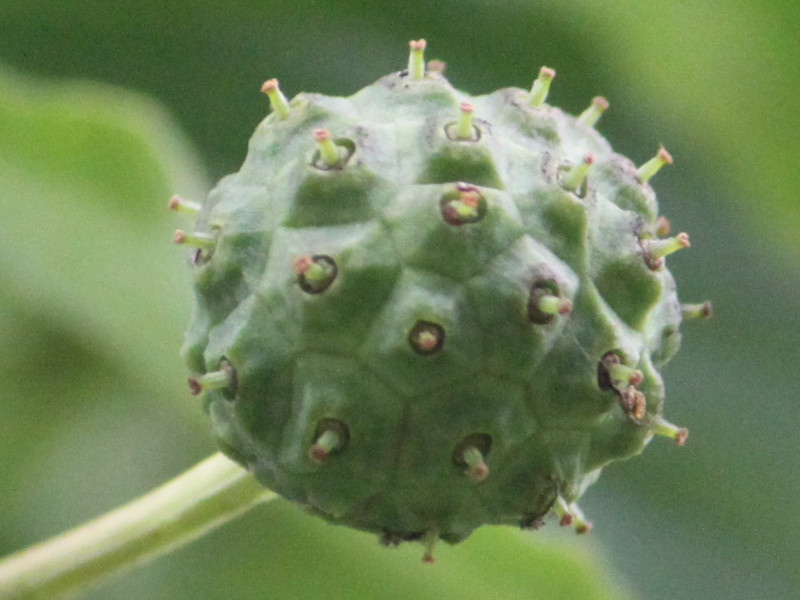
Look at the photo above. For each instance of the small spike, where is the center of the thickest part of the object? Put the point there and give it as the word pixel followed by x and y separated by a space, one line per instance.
pixel 574 178
pixel 703 310
pixel 662 226
pixel 541 86
pixel 467 207
pixel 178 204
pixel 652 166
pixel 623 374
pixel 429 541
pixel 196 239
pixel 326 443
pixel 436 66
pixel 579 521
pixel 426 337
pixel 554 305
pixel 331 154
pixel 277 100
pixel 665 246
pixel 225 377
pixel 546 302
pixel 477 469
pixel 315 273
pixel 592 115
pixel 561 508
pixel 663 427
pixel 416 59
pixel 633 403
pixel 464 130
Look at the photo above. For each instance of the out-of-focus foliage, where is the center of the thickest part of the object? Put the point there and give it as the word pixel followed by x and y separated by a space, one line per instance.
pixel 94 297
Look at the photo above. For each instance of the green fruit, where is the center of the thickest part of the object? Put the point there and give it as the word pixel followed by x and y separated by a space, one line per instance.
pixel 418 311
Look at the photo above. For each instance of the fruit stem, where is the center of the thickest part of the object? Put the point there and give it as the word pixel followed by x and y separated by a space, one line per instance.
pixel 183 509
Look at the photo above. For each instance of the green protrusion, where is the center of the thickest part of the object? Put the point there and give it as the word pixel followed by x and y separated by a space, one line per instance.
pixel 214 380
pixel 178 204
pixel 331 154
pixel 541 86
pixel 277 100
pixel 574 178
pixel 429 541
pixel 664 428
pixel 554 305
pixel 652 166
pixel 579 521
pixel 697 311
pixel 416 60
pixel 464 129
pixel 196 239
pixel 477 469
pixel 561 508
pixel 592 115
pixel 662 226
pixel 315 273
pixel 328 442
pixel 666 246
pixel 623 374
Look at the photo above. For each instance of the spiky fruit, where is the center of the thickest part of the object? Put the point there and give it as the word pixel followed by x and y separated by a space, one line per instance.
pixel 419 311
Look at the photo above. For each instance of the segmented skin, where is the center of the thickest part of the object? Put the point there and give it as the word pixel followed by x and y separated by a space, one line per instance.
pixel 414 332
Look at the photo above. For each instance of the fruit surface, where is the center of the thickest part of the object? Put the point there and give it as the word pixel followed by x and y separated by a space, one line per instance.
pixel 418 311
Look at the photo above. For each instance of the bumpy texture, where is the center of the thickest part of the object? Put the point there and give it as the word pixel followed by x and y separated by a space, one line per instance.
pixel 419 311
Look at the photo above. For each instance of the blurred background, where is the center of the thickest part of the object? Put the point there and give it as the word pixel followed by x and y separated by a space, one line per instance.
pixel 107 108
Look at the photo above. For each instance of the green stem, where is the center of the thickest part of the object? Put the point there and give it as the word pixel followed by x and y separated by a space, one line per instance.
pixel 183 509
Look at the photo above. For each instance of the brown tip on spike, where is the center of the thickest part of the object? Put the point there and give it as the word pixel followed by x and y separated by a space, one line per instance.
pixel 681 435
pixel 179 237
pixel 174 202
pixel 466 107
pixel 321 135
pixel 269 85
pixel 318 453
pixel 417 44
pixel 664 156
pixel 566 520
pixel 683 239
pixel 662 226
pixel 302 264
pixel 584 527
pixel 194 386
pixel 600 102
pixel 436 66
pixel 429 539
pixel 547 72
